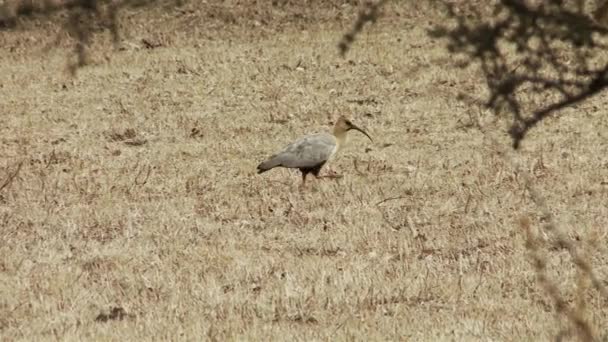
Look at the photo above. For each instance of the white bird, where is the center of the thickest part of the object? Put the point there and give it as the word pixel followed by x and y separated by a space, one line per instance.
pixel 310 152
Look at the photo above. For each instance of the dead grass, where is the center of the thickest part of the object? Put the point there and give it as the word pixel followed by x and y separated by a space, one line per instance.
pixel 176 237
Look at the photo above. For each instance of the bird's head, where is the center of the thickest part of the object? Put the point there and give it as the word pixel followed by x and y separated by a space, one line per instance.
pixel 344 125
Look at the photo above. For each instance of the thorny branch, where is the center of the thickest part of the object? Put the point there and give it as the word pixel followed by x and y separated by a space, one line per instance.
pixel 561 306
pixel 551 226
pixel 537 57
pixel 85 18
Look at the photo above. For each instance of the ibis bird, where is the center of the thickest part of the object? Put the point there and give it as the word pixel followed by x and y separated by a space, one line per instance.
pixel 310 152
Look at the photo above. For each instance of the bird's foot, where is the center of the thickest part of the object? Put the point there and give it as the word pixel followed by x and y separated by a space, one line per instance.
pixel 331 174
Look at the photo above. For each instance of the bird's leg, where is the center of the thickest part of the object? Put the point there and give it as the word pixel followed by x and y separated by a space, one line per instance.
pixel 317 170
pixel 303 185
pixel 331 174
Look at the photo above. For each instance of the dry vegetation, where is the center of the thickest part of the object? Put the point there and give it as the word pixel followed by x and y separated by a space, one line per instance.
pixel 130 207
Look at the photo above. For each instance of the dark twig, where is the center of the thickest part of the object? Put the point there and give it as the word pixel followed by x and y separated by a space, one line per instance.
pixel 11 176
pixel 390 199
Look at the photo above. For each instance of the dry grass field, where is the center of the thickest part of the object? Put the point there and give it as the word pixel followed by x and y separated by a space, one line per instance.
pixel 131 208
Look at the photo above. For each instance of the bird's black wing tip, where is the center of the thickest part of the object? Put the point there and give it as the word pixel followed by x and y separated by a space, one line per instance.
pixel 261 169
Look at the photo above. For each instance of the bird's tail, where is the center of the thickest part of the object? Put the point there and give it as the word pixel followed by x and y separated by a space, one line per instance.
pixel 267 165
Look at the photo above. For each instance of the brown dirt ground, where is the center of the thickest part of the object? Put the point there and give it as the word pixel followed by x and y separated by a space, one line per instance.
pixel 137 213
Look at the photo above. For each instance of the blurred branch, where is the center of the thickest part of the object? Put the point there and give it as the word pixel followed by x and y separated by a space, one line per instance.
pixel 539 261
pixel 85 18
pixel 537 57
pixel 369 13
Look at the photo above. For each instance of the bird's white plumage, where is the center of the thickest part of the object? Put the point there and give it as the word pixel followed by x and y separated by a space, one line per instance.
pixel 308 151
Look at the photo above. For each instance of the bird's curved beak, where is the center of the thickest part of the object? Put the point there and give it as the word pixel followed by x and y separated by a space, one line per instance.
pixel 362 131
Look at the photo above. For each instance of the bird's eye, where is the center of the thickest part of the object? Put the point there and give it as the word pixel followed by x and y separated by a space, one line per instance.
pixel 348 122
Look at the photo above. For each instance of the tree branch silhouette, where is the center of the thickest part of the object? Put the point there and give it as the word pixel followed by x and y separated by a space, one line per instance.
pixel 368 13
pixel 537 58
pixel 85 18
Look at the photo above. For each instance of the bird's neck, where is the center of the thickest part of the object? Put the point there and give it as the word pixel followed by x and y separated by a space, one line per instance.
pixel 340 137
